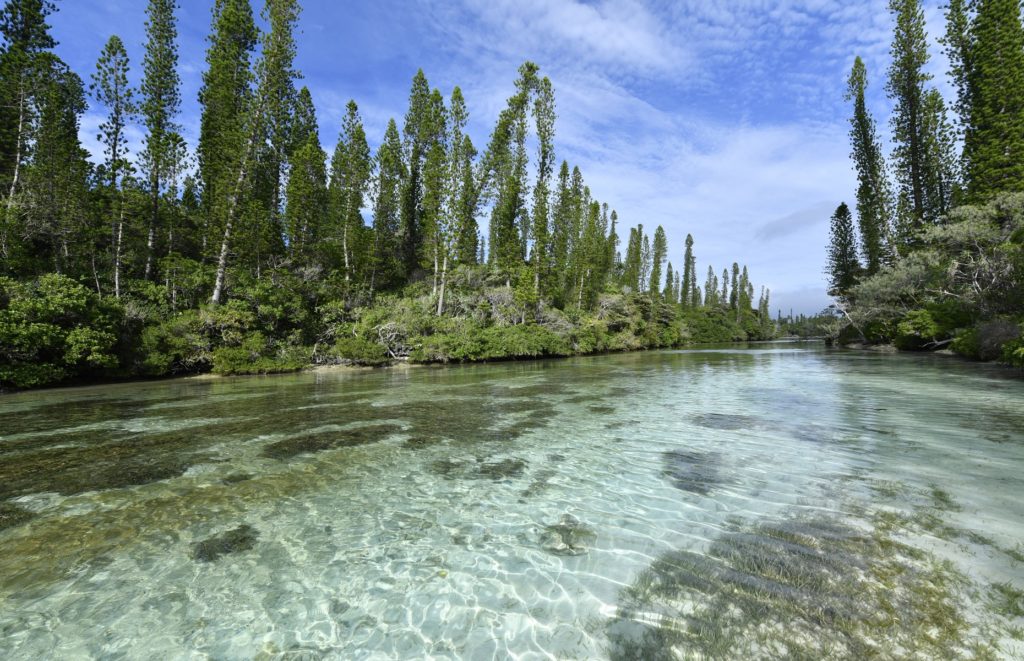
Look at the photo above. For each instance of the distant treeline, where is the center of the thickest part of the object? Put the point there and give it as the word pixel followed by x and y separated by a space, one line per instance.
pixel 256 252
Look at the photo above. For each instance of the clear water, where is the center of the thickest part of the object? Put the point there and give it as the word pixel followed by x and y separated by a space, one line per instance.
pixel 425 512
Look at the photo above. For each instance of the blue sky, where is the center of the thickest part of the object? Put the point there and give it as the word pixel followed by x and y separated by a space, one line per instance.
pixel 724 119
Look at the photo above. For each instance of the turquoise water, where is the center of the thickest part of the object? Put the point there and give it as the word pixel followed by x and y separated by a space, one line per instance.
pixel 763 501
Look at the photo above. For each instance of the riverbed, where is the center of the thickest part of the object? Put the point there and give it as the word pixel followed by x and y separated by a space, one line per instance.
pixel 756 501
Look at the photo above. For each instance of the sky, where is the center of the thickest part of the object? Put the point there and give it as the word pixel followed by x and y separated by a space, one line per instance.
pixel 724 119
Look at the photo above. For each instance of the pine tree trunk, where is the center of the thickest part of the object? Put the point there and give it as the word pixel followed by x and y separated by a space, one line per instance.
pixel 225 245
pixel 344 250
pixel 444 282
pixel 151 238
pixel 17 170
pixel 117 249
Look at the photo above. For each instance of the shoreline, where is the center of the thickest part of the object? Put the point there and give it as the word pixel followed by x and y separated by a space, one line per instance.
pixel 399 363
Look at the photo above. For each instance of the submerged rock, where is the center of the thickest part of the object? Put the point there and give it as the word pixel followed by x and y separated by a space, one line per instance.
pixel 567 537
pixel 240 539
pixel 725 421
pixel 235 478
pixel 798 588
pixel 540 484
pixel 470 469
pixel 692 471
pixel 504 469
pixel 321 441
pixel 11 515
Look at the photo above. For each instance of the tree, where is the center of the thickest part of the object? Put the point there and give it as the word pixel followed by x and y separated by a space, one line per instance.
pixel 711 289
pixel 161 101
pixel 844 267
pixel 458 214
pixel 688 277
pixel 225 99
pixel 386 264
pixel 24 61
pixel 544 116
pixel 873 205
pixel 306 189
pixel 351 168
pixel 941 170
pixel 659 252
pixel 561 233
pixel 415 146
pixel 905 87
pixel 994 140
pixel 279 98
pixel 668 294
pixel 734 292
pixel 112 91
pixel 56 208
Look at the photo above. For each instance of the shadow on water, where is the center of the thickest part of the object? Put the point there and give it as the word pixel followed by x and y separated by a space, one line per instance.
pixel 693 471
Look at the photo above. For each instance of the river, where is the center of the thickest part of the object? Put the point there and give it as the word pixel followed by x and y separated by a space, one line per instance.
pixel 758 501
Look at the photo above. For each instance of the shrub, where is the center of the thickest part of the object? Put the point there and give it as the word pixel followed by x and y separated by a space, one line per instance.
pixel 53 329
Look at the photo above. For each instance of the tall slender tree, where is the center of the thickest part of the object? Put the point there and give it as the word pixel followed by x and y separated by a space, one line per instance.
pixel 687 293
pixel 659 252
pixel 906 89
pixel 386 263
pixel 279 99
pixel 873 197
pixel 25 59
pixel 844 267
pixel 161 103
pixel 544 116
pixel 351 168
pixel 994 141
pixel 111 89
pixel 225 98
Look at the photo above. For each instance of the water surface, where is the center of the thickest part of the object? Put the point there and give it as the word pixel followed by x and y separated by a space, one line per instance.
pixel 762 501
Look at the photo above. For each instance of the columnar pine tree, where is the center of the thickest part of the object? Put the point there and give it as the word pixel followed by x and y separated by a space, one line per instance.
pixel 278 98
pixel 906 89
pixel 668 294
pixel 735 286
pixel 24 57
pixel 415 145
pixel 306 199
pixel 711 289
pixel 544 117
pixel 161 102
pixel 459 202
pixel 844 267
pixel 941 166
pixel 994 142
pixel 957 44
pixel 351 167
pixel 112 91
pixel 224 98
pixel 873 204
pixel 386 263
pixel 659 252
pixel 688 277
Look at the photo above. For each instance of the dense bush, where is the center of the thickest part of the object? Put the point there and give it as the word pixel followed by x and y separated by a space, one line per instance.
pixel 962 286
pixel 53 329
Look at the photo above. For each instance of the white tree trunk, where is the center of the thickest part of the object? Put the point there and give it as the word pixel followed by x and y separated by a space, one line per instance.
pixel 444 282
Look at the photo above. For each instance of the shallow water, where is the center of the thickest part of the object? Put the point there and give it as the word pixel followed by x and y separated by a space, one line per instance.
pixel 670 504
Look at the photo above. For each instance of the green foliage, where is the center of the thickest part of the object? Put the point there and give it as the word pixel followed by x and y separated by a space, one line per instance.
pixel 1013 351
pixel 917 330
pixel 54 329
